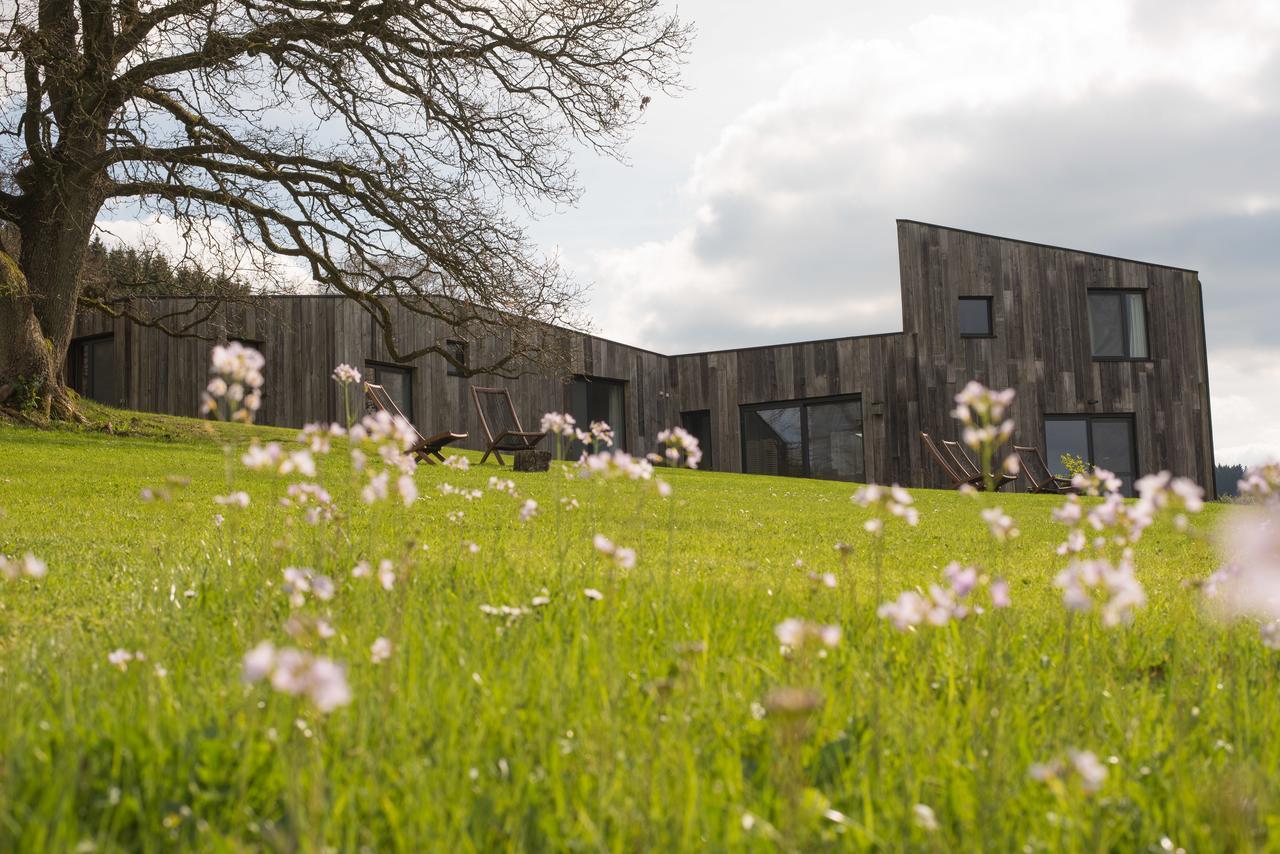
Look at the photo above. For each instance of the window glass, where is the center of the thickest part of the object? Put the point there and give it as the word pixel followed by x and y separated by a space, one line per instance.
pixel 91 369
pixel 594 399
pixel 1137 319
pixel 698 423
pixel 818 439
pixel 102 370
pixel 835 440
pixel 1106 325
pixel 458 350
pixel 399 385
pixel 975 316
pixel 1113 448
pixel 1065 436
pixel 772 441
pixel 1102 441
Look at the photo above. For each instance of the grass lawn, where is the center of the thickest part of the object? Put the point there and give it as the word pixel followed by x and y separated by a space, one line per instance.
pixel 635 721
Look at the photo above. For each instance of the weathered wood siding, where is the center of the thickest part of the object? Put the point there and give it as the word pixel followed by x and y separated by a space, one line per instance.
pixel 1041 346
pixel 302 339
pixel 878 367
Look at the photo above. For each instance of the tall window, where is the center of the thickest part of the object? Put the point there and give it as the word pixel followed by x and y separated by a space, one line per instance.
pixel 807 438
pixel 596 399
pixel 1105 441
pixel 91 368
pixel 1118 324
pixel 458 352
pixel 698 423
pixel 975 317
pixel 398 381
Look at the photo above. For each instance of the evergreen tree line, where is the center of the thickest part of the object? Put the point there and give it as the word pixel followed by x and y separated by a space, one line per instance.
pixel 126 271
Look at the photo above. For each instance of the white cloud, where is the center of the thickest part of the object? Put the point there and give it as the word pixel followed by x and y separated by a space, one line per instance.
pixel 1245 384
pixel 1135 128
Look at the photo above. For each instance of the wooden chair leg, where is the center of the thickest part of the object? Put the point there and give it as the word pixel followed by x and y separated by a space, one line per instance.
pixel 486 455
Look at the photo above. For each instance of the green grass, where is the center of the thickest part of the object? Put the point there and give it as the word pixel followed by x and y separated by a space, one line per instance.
pixel 623 724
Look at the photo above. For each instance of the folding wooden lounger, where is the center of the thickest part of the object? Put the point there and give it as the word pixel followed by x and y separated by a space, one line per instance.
pixel 501 424
pixel 949 465
pixel 1039 474
pixel 425 447
pixel 969 468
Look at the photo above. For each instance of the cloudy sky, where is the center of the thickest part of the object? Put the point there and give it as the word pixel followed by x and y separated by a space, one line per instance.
pixel 759 207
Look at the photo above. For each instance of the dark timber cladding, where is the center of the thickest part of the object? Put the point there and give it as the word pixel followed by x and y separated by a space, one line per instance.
pixel 1039 343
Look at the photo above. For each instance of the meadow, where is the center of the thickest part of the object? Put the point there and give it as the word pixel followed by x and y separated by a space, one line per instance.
pixel 511 683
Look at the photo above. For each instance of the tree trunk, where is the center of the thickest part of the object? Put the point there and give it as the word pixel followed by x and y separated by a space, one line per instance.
pixel 39 295
pixel 30 381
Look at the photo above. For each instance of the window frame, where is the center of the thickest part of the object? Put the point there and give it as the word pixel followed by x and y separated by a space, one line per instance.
pixel 1088 418
pixel 803 403
pixel 1124 324
pixel 82 379
pixel 372 366
pixel 450 369
pixel 991 320
pixel 258 344
pixel 620 432
pixel 708 451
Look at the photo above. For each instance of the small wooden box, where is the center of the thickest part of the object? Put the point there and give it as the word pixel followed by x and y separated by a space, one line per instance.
pixel 532 460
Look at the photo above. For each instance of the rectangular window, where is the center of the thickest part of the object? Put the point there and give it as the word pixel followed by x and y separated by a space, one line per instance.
pixel 597 399
pixel 1106 441
pixel 975 317
pixel 698 423
pixel 807 438
pixel 458 352
pixel 398 381
pixel 91 368
pixel 1118 324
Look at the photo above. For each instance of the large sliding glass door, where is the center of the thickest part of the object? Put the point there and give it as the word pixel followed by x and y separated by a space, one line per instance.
pixel 806 438
pixel 1106 441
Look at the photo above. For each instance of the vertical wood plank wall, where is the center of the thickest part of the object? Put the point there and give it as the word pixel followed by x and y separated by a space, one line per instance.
pixel 907 380
pixel 1042 346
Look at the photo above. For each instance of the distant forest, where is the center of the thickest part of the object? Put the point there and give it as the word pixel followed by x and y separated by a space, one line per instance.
pixel 124 271
pixel 1227 478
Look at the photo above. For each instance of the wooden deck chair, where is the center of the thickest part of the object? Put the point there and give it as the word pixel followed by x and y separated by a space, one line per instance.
pixel 501 424
pixel 949 466
pixel 426 447
pixel 969 468
pixel 1039 474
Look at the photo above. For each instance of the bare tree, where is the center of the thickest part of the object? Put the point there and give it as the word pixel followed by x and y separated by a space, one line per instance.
pixel 381 143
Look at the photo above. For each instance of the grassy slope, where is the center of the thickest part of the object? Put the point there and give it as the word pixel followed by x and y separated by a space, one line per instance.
pixel 586 724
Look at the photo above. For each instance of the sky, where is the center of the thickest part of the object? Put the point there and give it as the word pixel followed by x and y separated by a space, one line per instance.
pixel 759 206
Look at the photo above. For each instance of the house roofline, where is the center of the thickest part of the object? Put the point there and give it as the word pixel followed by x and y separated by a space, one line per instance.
pixel 834 340
pixel 1048 246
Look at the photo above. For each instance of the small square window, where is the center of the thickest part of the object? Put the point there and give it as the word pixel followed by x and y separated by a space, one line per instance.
pixel 458 352
pixel 975 317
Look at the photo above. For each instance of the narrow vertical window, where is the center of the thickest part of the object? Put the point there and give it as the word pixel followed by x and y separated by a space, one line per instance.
pixel 458 353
